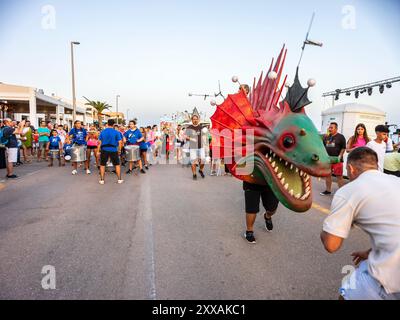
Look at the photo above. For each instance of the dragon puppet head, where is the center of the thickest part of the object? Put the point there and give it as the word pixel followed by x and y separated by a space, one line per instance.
pixel 286 147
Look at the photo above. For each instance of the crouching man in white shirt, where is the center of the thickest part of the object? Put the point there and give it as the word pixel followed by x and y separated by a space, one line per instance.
pixel 368 202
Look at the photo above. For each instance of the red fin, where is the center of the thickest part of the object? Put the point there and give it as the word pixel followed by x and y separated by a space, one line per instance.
pixel 235 112
pixel 264 94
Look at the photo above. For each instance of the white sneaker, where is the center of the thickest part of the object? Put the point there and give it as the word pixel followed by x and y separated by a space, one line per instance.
pixel 74 172
pixel 101 181
pixel 120 181
pixel 88 171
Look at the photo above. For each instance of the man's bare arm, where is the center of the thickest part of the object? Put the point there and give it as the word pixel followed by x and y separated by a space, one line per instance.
pixel 331 242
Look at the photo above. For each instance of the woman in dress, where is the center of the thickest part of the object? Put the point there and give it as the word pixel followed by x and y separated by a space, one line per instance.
pixel 27 141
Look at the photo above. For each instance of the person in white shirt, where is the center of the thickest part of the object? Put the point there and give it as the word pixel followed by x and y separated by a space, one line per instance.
pixel 379 144
pixel 61 133
pixel 367 202
pixel 389 145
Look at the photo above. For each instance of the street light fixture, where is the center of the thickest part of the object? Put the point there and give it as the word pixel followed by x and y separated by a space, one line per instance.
pixel 73 80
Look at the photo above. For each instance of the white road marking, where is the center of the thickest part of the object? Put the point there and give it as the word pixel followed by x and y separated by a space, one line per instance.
pixel 145 208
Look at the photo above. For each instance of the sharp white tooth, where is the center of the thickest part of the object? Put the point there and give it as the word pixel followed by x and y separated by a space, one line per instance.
pixel 280 159
pixel 280 175
pixel 298 196
pixel 291 167
pixel 291 192
pixel 276 169
pixel 307 177
pixel 286 186
pixel 286 163
pixel 304 197
pixel 308 189
pixel 274 155
pixel 301 173
pixel 270 159
pixel 307 194
pixel 273 164
pixel 297 170
pixel 307 184
pixel 283 181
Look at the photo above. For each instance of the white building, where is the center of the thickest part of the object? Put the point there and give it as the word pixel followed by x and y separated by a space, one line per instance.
pixel 347 116
pixel 21 102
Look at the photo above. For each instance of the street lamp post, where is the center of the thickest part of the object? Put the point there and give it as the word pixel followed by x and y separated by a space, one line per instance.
pixel 117 107
pixel 127 115
pixel 73 80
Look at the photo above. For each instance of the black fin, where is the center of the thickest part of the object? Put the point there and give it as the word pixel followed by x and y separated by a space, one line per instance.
pixel 296 96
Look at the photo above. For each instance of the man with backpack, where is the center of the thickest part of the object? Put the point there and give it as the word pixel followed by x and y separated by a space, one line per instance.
pixel 9 139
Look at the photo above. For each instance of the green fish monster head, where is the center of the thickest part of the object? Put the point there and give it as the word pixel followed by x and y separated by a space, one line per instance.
pixel 285 149
pixel 286 158
pixel 288 150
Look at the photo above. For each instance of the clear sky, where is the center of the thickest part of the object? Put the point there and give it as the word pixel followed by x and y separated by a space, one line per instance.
pixel 153 53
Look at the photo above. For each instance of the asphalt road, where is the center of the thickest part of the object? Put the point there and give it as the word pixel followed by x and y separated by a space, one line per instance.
pixel 158 236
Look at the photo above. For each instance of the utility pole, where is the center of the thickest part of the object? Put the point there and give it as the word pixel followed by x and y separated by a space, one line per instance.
pixel 117 107
pixel 73 80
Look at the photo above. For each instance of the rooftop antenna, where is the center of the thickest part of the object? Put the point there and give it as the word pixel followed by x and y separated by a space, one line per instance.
pixel 200 95
pixel 308 41
pixel 220 92
pixel 209 95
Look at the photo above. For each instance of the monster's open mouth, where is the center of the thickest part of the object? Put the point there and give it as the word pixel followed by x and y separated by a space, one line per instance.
pixel 291 180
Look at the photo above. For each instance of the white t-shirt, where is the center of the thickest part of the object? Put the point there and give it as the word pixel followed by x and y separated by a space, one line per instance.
pixel 62 134
pixel 157 134
pixel 389 145
pixel 369 202
pixel 380 149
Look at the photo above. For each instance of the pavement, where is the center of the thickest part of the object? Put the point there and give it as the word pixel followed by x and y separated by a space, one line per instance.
pixel 158 236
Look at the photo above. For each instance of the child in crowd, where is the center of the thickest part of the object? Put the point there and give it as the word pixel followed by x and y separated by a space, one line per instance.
pixel 54 146
pixel 67 149
pixel 35 145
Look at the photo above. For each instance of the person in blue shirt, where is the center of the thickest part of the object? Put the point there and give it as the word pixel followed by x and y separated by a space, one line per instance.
pixel 143 148
pixel 54 144
pixel 110 144
pixel 118 128
pixel 78 136
pixel 67 149
pixel 10 140
pixel 133 137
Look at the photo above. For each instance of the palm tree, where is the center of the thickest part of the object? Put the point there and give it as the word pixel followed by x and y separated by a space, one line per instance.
pixel 99 107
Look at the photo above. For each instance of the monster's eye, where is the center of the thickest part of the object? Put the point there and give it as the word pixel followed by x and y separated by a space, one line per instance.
pixel 288 141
